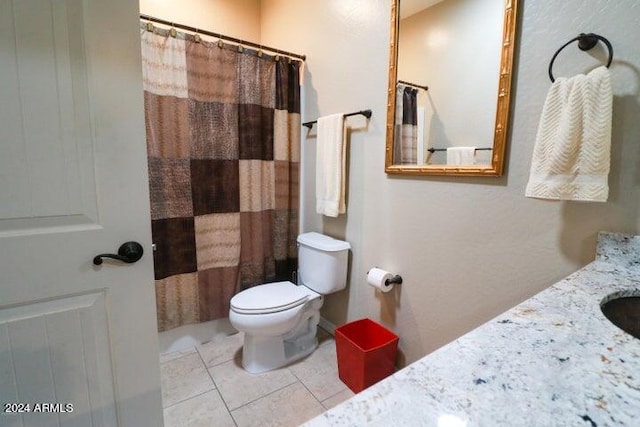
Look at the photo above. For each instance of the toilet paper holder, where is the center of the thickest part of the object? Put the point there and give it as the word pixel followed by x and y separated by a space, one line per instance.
pixel 395 280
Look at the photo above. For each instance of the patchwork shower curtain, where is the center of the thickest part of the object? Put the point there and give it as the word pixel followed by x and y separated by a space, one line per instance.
pixel 406 126
pixel 223 138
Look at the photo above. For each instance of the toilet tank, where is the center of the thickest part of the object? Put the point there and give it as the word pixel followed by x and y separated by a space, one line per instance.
pixel 322 262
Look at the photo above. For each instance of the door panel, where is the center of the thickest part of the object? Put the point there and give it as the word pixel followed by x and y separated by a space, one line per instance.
pixel 58 351
pixel 48 171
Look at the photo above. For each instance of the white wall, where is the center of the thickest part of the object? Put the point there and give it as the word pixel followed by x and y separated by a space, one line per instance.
pixel 468 248
pixel 454 48
pixel 235 18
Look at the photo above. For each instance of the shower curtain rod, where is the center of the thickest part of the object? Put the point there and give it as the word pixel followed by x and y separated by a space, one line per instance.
pixel 221 36
pixel 413 84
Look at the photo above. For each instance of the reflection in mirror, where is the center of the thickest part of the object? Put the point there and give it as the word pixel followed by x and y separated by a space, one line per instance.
pixel 449 86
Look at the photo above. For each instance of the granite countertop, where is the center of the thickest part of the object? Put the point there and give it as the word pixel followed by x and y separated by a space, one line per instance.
pixel 553 360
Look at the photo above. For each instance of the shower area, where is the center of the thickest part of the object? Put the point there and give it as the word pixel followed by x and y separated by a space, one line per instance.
pixel 223 143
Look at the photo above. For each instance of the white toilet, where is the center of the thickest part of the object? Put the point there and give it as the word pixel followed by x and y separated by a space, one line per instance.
pixel 279 320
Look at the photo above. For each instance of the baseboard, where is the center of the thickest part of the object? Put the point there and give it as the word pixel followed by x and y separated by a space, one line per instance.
pixel 327 326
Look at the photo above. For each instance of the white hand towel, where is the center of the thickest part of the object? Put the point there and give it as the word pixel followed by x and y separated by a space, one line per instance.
pixel 573 146
pixel 331 151
pixel 461 156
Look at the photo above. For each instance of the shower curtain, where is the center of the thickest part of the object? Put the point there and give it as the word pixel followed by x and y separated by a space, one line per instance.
pixel 223 142
pixel 406 126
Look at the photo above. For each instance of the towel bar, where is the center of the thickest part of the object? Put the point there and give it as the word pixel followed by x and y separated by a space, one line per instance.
pixel 366 113
pixel 432 150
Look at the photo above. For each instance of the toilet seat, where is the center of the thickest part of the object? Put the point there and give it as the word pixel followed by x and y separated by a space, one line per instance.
pixel 270 298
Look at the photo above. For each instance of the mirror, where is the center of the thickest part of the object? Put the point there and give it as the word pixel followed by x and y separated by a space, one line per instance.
pixel 449 86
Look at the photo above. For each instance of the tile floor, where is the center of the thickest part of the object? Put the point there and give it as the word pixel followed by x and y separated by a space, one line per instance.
pixel 206 385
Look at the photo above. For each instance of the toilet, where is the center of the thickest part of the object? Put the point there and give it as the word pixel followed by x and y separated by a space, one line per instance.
pixel 280 319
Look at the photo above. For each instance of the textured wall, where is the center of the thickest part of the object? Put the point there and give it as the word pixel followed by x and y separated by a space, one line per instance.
pixel 235 18
pixel 468 248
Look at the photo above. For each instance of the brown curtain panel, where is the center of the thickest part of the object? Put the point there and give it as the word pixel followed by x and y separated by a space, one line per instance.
pixel 406 126
pixel 223 140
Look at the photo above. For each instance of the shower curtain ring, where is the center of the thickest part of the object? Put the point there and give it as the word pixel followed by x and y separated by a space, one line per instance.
pixel 172 32
pixel 220 43
pixel 196 37
pixel 150 27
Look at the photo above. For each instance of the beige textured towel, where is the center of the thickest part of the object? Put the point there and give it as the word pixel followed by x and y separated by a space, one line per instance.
pixel 573 145
pixel 331 153
pixel 461 156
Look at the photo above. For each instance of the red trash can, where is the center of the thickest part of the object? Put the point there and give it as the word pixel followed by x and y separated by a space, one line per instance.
pixel 366 353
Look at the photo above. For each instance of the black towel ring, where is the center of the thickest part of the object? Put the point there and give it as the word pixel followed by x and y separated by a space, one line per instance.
pixel 585 42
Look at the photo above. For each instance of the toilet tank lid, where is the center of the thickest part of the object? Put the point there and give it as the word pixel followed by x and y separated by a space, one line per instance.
pixel 322 242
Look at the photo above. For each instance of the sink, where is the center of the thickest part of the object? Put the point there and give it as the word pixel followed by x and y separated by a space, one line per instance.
pixel 623 311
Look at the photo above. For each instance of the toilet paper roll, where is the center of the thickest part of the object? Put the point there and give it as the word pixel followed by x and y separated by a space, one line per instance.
pixel 379 279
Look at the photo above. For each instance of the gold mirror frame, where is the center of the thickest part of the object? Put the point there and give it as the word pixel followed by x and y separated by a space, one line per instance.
pixel 502 112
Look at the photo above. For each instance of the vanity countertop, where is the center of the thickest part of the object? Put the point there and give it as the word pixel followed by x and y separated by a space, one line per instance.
pixel 553 360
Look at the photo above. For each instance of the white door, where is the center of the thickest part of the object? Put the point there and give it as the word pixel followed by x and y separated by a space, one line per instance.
pixel 73 183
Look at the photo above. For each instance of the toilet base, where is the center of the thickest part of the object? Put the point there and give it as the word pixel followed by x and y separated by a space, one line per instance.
pixel 264 353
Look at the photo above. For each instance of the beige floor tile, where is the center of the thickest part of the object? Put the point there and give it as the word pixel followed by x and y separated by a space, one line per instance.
pixel 176 354
pixel 319 371
pixel 337 399
pixel 238 387
pixel 184 378
pixel 221 350
pixel 289 406
pixel 204 410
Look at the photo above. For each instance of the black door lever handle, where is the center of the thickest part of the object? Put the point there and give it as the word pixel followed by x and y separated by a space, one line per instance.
pixel 128 252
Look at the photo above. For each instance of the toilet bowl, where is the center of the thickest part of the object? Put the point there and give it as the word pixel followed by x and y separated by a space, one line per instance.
pixel 280 319
pixel 279 330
